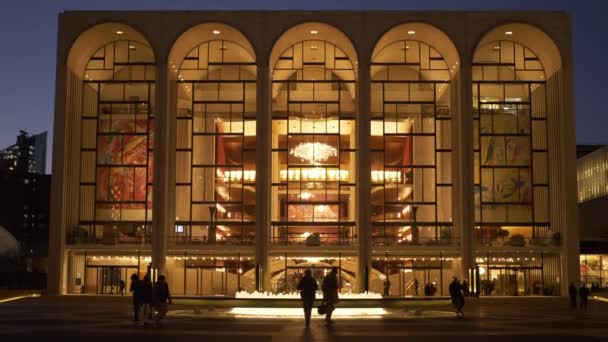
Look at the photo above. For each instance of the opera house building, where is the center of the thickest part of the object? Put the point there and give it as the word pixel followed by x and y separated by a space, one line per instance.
pixel 232 150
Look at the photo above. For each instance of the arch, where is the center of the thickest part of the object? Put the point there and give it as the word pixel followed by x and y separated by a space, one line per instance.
pixel 213 74
pixel 429 34
pixel 95 37
pixel 530 36
pixel 313 107
pixel 205 32
pixel 312 31
pixel 412 68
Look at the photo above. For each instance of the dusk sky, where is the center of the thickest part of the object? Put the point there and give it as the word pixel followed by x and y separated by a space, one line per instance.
pixel 28 31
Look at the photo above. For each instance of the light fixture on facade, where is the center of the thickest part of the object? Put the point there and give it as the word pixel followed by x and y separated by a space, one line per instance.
pixel 411 32
pixel 216 32
pixel 314 32
pixel 508 33
pixel 119 32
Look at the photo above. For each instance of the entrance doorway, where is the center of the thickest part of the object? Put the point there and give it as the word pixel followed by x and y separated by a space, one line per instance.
pixel 415 281
pixel 513 282
pixel 106 279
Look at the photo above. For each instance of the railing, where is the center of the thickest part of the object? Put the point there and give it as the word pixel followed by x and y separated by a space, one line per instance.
pixel 519 241
pixel 203 240
pixel 421 241
pixel 123 234
pixel 313 239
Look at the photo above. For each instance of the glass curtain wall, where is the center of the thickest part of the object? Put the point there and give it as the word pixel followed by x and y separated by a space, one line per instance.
pixel 117 146
pixel 510 147
pixel 215 148
pixel 411 148
pixel 313 146
pixel 408 276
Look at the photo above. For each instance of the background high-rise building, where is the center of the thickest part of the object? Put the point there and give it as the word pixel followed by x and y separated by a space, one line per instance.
pixel 27 155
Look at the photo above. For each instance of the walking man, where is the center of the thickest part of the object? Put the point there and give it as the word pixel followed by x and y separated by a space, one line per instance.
pixel 456 292
pixel 136 290
pixel 330 293
pixel 583 292
pixel 145 309
pixel 572 293
pixel 307 287
pixel 161 297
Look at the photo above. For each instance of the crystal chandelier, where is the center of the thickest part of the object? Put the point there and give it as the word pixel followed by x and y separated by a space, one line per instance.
pixel 314 153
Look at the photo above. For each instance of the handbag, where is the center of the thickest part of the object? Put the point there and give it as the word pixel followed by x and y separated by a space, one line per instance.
pixel 322 309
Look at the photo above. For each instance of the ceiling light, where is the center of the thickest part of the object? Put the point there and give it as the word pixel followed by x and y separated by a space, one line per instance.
pixel 119 32
pixel 314 47
pixel 508 33
pixel 496 47
pixel 411 32
pixel 216 31
pixel 314 31
pixel 314 153
pixel 132 47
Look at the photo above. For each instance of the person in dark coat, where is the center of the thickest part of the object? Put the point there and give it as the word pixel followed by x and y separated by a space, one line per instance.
pixel 583 293
pixel 307 287
pixel 330 293
pixel 457 296
pixel 147 298
pixel 161 297
pixel 572 293
pixel 136 290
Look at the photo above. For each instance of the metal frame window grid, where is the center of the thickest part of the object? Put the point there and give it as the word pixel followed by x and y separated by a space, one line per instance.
pixel 341 62
pixel 107 57
pixel 190 82
pixel 521 75
pixel 421 65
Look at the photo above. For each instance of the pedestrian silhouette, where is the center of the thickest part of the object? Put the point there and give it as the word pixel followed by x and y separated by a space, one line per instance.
pixel 121 287
pixel 145 309
pixel 583 293
pixel 136 290
pixel 307 287
pixel 457 295
pixel 330 293
pixel 572 293
pixel 161 297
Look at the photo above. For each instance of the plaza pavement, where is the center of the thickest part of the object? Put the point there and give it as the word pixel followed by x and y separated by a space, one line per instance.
pixel 95 318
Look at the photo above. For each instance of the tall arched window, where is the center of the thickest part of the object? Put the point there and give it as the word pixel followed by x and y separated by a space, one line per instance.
pixel 510 145
pixel 411 149
pixel 215 147
pixel 117 144
pixel 313 145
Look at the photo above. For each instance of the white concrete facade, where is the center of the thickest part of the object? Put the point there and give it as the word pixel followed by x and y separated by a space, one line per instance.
pixel 465 31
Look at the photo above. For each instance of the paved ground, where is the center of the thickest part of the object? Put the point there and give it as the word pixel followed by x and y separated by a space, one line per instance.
pixel 497 319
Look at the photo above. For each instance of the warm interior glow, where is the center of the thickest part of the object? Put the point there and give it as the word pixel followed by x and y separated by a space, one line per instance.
pixel 411 32
pixel 216 32
pixel 314 153
pixel 386 176
pixel 297 312
pixel 119 32
pixel 314 174
pixel 314 32
pixel 508 33
pixel 296 295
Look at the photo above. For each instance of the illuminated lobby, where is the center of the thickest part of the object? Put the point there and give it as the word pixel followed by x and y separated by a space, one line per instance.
pixel 232 150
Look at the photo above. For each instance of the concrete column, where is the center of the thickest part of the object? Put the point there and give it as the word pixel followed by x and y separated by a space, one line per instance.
pixel 58 186
pixel 161 218
pixel 363 177
pixel 562 173
pixel 462 158
pixel 263 174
